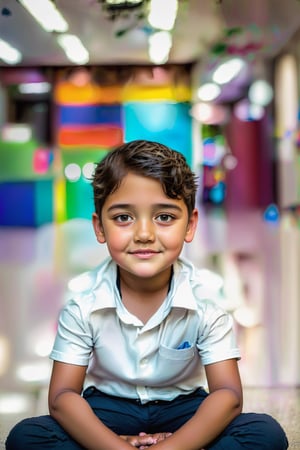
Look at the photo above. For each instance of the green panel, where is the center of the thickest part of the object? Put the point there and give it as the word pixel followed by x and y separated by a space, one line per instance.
pixel 43 202
pixel 17 161
pixel 79 198
pixel 79 194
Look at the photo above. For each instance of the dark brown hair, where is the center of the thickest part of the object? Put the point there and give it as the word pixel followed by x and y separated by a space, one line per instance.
pixel 148 159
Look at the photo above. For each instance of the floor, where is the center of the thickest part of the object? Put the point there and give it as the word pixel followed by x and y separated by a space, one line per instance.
pixel 282 403
pixel 255 266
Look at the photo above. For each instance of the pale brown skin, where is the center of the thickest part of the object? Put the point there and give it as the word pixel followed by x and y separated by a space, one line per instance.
pixel 144 286
pixel 75 415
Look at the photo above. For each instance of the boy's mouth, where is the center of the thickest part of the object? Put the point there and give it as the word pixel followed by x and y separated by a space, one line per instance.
pixel 144 252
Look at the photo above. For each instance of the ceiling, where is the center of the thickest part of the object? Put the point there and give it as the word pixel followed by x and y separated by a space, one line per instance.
pixel 205 30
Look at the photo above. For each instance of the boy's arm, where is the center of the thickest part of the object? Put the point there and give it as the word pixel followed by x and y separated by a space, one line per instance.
pixel 221 406
pixel 73 412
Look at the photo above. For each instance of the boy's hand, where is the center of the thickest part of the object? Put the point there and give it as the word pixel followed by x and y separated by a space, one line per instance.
pixel 144 440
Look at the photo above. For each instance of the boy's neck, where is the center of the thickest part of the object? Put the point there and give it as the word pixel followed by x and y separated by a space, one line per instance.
pixel 143 297
pixel 152 285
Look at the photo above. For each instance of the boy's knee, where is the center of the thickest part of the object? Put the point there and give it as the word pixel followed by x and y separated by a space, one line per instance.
pixel 273 433
pixel 16 439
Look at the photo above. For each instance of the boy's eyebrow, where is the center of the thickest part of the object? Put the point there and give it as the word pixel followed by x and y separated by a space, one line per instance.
pixel 156 205
pixel 168 206
pixel 119 206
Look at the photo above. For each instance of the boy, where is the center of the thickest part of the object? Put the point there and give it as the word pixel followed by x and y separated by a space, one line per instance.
pixel 142 330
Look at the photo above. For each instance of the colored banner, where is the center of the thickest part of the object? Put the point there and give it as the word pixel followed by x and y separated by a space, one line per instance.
pixel 90 115
pixel 165 122
pixel 97 136
pixel 69 94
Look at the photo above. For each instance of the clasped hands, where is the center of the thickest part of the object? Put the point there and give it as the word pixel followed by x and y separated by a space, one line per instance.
pixel 145 440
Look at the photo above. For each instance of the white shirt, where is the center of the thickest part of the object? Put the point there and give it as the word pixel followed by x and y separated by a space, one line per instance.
pixel 158 360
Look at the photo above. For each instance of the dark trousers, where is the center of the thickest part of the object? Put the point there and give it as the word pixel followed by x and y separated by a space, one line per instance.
pixel 248 431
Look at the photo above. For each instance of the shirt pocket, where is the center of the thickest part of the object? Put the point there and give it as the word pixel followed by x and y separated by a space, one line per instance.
pixel 175 354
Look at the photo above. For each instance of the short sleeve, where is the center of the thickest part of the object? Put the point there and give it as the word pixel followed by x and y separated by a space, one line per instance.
pixel 73 342
pixel 217 340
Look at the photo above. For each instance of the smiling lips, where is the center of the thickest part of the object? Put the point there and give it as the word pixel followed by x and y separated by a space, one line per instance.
pixel 144 253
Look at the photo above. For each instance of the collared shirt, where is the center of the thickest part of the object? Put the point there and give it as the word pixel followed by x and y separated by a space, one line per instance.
pixel 158 360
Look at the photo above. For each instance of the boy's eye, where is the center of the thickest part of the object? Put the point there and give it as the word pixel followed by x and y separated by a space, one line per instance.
pixel 122 218
pixel 164 218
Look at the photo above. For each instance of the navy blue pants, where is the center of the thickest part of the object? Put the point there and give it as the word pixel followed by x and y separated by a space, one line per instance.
pixel 248 431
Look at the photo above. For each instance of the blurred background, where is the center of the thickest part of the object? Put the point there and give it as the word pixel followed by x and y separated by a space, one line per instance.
pixel 217 80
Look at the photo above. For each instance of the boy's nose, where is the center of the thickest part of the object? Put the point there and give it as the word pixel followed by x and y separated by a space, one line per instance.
pixel 144 231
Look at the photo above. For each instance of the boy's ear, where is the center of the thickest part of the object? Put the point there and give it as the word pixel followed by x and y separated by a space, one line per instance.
pixel 192 226
pixel 98 229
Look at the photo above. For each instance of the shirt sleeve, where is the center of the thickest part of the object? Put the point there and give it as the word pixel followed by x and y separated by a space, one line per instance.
pixel 217 340
pixel 73 342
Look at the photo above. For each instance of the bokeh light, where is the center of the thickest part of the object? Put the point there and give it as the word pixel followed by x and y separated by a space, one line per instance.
pixel 72 172
pixel 260 93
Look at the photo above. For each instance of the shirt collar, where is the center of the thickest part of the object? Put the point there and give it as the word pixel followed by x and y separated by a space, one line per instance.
pixel 181 290
pixel 105 291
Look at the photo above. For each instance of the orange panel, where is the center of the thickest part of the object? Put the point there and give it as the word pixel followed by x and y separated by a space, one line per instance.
pixel 107 136
pixel 69 94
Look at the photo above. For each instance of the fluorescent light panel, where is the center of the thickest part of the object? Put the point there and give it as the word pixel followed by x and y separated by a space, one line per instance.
pixel 228 70
pixel 160 44
pixel 9 54
pixel 16 132
pixel 163 14
pixel 46 14
pixel 73 48
pixel 34 88
pixel 208 92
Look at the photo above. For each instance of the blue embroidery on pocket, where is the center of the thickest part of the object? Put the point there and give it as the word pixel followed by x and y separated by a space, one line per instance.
pixel 184 344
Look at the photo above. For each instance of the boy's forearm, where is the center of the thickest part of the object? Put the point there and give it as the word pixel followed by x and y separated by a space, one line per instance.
pixel 212 417
pixel 77 418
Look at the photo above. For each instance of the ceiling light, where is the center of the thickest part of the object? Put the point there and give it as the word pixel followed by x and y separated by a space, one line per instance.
pixel 73 48
pixel 160 44
pixel 209 113
pixel 9 54
pixel 260 93
pixel 16 132
pixel 162 15
pixel 202 112
pixel 46 14
pixel 208 92
pixel 228 70
pixel 34 88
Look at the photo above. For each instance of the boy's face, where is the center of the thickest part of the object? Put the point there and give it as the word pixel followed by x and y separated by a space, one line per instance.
pixel 143 228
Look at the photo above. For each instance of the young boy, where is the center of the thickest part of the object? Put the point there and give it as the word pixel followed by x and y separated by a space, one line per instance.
pixel 139 331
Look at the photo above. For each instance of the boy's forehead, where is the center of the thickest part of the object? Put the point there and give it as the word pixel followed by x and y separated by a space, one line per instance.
pixel 133 180
pixel 140 190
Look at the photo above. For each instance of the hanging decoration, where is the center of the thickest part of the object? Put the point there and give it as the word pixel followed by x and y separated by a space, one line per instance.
pixel 215 149
pixel 124 9
pixel 247 41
